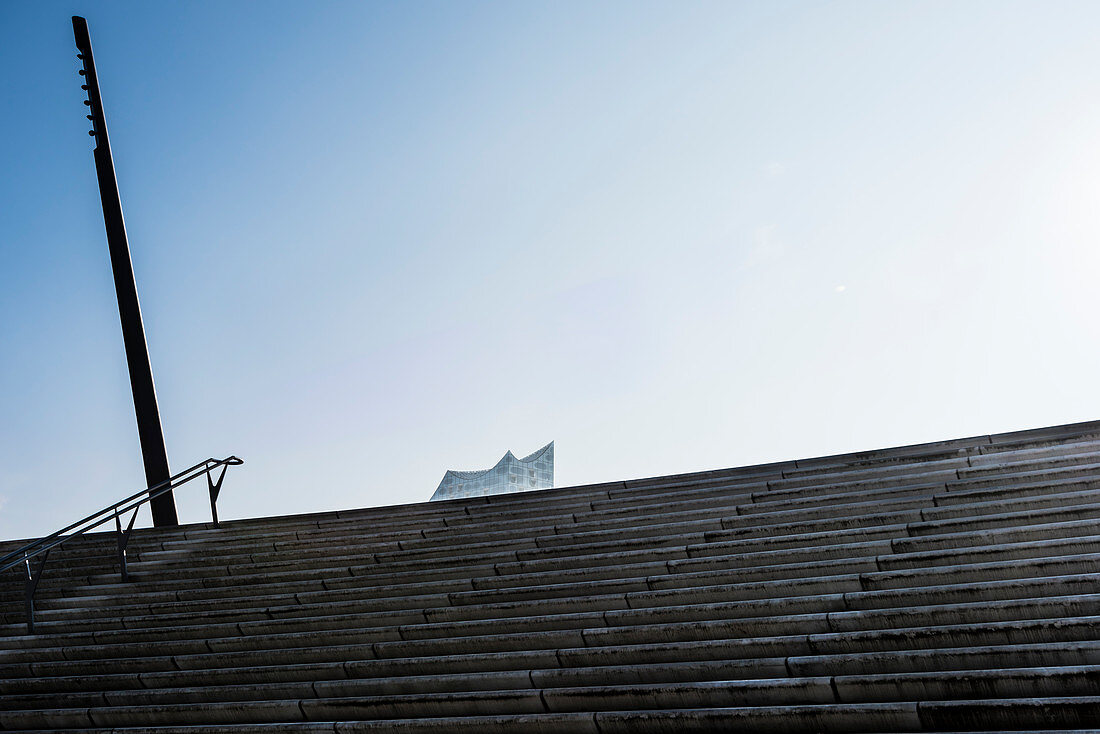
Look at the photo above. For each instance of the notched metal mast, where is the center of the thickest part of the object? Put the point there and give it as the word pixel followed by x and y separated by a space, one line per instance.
pixel 133 332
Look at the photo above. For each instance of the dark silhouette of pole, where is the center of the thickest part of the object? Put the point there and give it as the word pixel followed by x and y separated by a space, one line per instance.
pixel 133 333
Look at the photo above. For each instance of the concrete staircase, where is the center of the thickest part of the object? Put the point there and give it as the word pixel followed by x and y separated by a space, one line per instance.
pixel 951 586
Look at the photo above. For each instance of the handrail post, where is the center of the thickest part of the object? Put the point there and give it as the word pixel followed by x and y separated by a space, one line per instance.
pixel 122 539
pixel 28 598
pixel 120 548
pixel 215 489
pixel 33 577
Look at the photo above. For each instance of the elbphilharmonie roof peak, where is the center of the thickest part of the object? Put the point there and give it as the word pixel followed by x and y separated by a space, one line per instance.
pixel 510 474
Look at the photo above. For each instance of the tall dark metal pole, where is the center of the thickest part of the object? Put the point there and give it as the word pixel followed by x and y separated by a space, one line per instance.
pixel 133 333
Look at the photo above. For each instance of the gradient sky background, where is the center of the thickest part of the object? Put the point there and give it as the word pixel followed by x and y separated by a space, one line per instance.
pixel 374 241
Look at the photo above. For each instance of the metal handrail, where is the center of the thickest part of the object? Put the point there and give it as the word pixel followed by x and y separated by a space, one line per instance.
pixel 41 548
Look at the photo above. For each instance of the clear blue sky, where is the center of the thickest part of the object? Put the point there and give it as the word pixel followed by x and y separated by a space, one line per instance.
pixel 374 241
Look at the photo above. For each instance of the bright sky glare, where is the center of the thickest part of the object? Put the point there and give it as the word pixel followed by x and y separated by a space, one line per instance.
pixel 374 241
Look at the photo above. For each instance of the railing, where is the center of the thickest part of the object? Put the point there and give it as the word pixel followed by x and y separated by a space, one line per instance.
pixel 41 548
